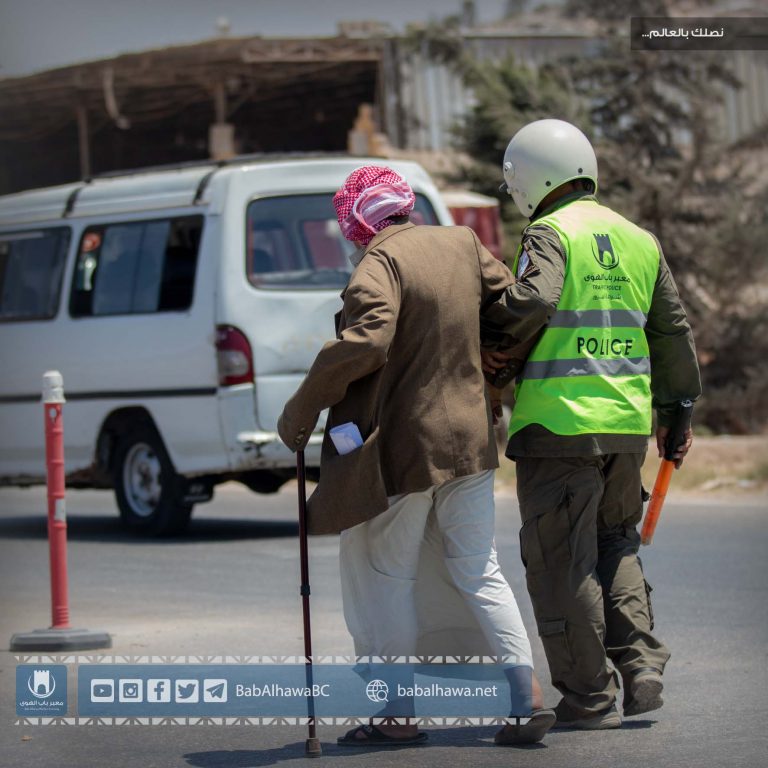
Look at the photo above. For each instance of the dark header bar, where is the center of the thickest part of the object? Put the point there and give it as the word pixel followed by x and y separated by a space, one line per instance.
pixel 699 33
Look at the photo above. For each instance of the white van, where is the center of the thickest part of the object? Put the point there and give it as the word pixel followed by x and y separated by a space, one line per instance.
pixel 182 307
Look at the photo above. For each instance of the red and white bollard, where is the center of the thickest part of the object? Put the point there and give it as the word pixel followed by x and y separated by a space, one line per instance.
pixel 53 399
pixel 60 636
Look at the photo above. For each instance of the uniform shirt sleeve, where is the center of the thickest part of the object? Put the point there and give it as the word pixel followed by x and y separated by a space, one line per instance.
pixel 518 316
pixel 674 367
pixel 371 305
pixel 541 267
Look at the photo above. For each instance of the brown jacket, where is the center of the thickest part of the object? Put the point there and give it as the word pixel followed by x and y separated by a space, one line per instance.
pixel 405 367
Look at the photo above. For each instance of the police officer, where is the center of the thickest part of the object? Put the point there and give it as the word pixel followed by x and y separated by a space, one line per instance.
pixel 616 345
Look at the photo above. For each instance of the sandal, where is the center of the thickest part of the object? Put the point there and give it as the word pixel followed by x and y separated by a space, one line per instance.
pixel 540 721
pixel 374 737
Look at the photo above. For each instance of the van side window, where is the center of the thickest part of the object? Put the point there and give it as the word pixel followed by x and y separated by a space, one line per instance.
pixel 295 241
pixel 31 268
pixel 136 267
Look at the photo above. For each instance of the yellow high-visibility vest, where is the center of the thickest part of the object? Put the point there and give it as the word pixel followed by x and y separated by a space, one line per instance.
pixel 590 371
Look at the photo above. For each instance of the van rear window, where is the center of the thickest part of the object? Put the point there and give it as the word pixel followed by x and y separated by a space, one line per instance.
pixel 136 267
pixel 295 242
pixel 31 267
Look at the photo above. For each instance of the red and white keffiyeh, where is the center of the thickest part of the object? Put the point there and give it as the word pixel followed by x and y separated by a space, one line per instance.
pixel 369 199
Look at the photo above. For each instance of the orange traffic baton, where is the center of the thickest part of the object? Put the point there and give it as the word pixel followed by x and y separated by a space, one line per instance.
pixel 674 440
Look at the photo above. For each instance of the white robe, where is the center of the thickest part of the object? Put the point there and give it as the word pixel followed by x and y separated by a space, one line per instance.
pixel 423 578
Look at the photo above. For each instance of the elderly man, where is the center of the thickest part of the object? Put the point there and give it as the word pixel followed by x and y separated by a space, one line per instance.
pixel 414 503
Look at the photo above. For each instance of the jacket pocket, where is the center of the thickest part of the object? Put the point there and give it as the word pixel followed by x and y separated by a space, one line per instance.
pixel 350 491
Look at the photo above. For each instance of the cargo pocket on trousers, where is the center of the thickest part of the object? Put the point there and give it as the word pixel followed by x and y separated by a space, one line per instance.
pixel 648 590
pixel 545 541
pixel 558 651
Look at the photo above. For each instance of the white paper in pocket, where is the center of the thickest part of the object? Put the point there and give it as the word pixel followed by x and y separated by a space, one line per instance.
pixel 346 437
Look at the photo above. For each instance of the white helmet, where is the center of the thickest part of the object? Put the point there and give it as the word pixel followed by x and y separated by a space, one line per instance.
pixel 543 155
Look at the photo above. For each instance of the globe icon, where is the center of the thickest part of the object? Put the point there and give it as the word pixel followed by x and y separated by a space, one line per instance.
pixel 377 690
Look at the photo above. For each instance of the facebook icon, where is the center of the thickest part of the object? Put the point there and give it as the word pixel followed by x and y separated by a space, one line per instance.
pixel 158 691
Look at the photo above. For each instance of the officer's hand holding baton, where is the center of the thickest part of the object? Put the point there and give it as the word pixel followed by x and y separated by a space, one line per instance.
pixel 673 444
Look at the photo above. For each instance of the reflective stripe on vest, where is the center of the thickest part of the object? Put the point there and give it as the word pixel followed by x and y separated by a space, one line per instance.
pixel 587 366
pixel 590 370
pixel 606 318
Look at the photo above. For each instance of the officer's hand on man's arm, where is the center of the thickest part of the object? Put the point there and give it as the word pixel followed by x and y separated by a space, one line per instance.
pixel 494 360
pixel 682 450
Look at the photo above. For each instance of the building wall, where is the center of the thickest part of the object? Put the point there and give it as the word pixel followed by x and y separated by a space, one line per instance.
pixel 745 110
pixel 432 98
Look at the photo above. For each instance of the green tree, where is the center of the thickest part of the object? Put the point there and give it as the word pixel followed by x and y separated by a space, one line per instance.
pixel 507 96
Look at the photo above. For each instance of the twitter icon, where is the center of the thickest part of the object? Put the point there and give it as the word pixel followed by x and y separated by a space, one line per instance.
pixel 187 691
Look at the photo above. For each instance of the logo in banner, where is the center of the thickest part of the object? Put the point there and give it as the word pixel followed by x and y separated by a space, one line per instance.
pixel 103 690
pixel 215 691
pixel 40 683
pixel 187 691
pixel 131 691
pixel 158 690
pixel 41 690
pixel 377 690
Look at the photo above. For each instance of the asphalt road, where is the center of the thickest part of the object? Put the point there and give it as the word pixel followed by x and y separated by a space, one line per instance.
pixel 230 586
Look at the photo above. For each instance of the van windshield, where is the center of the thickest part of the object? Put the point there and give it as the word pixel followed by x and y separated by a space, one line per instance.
pixel 295 241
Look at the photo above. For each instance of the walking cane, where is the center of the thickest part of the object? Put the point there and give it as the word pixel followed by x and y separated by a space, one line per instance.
pixel 313 748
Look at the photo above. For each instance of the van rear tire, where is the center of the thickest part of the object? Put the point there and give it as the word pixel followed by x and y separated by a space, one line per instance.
pixel 148 490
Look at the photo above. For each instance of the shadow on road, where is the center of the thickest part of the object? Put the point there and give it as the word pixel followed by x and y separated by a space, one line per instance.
pixel 444 737
pixel 109 529
pixel 469 737
pixel 245 758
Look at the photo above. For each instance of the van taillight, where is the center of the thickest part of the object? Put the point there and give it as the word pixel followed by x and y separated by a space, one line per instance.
pixel 233 356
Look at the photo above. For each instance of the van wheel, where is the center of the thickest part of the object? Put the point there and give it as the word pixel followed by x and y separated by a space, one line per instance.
pixel 147 488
